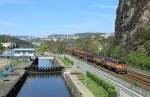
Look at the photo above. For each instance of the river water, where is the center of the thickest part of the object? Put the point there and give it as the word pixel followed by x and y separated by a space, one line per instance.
pixel 42 85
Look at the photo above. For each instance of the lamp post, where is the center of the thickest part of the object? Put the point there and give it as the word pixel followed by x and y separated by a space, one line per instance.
pixel 85 79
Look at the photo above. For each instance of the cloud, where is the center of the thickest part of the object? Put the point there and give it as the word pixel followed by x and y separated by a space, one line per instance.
pixel 103 6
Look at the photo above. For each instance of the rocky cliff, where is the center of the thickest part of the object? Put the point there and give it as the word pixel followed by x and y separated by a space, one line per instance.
pixel 132 17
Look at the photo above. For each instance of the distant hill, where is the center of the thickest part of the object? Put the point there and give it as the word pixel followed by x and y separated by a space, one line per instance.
pixel 89 34
pixel 25 37
pixel 59 35
pixel 86 34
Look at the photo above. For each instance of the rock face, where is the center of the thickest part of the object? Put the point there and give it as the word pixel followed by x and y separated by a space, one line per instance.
pixel 132 16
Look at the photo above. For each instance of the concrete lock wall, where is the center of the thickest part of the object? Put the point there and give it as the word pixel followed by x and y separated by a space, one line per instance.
pixel 16 87
pixel 74 91
pixel 56 61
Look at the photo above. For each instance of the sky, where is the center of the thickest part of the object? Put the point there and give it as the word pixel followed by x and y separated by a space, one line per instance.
pixel 46 17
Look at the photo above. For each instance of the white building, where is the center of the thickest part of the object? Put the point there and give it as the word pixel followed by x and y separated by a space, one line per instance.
pixel 36 43
pixel 8 45
pixel 107 35
pixel 23 52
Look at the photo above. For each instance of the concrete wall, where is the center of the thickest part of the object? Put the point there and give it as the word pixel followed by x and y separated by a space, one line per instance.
pixel 57 62
pixel 74 90
pixel 16 86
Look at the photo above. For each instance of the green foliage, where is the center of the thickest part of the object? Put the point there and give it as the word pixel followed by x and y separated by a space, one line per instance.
pixel 67 61
pixel 107 46
pixel 52 46
pixel 98 91
pixel 147 32
pixel 112 92
pixel 83 43
pixel 139 59
pixel 117 52
pixel 109 88
pixel 1 47
pixel 87 44
pixel 44 46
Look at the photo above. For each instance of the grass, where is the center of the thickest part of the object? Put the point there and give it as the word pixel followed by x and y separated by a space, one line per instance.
pixel 97 90
pixel 66 61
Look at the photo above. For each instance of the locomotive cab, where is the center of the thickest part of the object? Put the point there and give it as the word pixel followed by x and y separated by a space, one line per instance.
pixel 121 67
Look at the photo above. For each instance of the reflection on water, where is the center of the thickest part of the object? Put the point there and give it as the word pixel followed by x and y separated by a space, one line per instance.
pixel 44 86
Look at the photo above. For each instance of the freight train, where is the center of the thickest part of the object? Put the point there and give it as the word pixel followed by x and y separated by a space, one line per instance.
pixel 109 63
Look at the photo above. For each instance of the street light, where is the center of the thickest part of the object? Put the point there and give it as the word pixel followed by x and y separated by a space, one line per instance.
pixel 85 79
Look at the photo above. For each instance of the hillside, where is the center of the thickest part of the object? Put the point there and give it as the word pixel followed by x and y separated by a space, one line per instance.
pixel 132 33
pixel 132 28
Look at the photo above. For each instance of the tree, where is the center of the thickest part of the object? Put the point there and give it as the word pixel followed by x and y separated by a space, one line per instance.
pixel 1 47
pixel 61 46
pixel 87 44
pixel 52 46
pixel 117 52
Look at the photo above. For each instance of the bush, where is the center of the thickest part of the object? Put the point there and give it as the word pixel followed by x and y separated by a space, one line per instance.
pixel 112 92
pixel 106 86
pixel 69 61
pixel 117 52
pixel 139 59
pixel 109 88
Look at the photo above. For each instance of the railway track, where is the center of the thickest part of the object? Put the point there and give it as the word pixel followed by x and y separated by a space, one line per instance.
pixel 140 78
pixel 139 74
